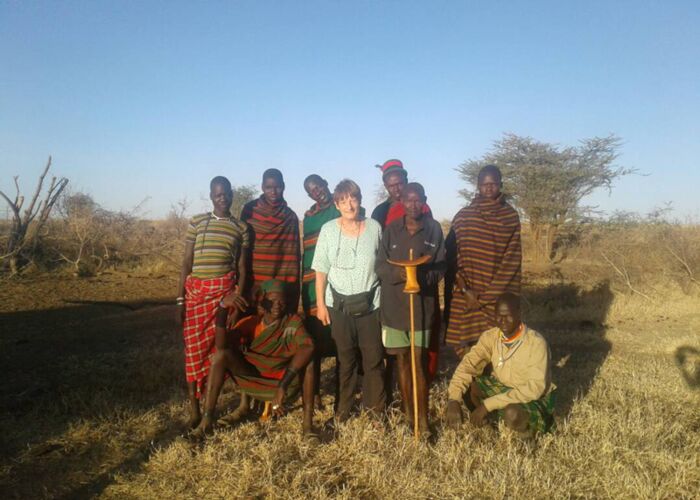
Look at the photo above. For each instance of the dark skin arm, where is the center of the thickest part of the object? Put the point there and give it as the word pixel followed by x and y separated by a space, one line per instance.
pixel 388 273
pixel 221 329
pixel 187 262
pixel 301 358
pixel 453 415
pixel 236 299
pixel 478 416
pixel 470 295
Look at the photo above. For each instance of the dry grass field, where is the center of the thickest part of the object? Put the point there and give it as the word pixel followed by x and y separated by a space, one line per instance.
pixel 93 405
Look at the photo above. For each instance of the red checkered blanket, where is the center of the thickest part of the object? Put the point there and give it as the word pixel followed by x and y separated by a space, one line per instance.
pixel 201 299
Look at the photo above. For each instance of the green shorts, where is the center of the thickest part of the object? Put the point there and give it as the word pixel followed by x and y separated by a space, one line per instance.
pixel 400 339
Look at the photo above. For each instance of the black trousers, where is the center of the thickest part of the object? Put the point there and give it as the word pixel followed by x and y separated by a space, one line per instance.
pixel 355 335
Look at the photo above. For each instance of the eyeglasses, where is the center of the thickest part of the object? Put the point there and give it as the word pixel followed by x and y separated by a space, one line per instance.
pixel 348 260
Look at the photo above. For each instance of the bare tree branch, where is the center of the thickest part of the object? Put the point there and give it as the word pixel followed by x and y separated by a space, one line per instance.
pixel 13 206
pixel 683 262
pixel 29 213
pixel 20 237
pixel 624 274
pixel 17 200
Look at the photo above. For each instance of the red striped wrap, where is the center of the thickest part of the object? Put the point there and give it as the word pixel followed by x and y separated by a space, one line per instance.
pixel 275 244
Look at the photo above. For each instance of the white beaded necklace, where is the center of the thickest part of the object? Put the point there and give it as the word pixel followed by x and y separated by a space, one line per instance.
pixel 220 218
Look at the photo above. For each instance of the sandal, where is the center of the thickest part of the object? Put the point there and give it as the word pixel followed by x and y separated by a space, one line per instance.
pixel 312 437
pixel 233 418
pixel 199 435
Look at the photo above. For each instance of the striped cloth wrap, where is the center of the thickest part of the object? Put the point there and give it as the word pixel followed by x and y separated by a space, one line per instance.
pixel 275 244
pixel 484 246
pixel 269 349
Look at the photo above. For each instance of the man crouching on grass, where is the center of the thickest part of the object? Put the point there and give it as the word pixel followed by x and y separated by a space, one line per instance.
pixel 520 390
pixel 265 354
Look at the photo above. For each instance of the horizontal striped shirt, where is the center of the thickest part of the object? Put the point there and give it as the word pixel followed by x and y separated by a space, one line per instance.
pixel 314 219
pixel 217 244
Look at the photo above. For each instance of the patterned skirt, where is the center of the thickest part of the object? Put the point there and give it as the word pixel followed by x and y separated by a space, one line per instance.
pixel 540 411
pixel 201 301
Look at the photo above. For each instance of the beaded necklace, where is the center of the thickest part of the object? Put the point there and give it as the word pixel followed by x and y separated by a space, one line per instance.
pixel 204 236
pixel 513 342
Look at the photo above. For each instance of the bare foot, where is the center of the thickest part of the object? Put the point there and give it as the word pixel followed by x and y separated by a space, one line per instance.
pixel 234 417
pixel 205 427
pixel 424 431
pixel 195 418
pixel 310 434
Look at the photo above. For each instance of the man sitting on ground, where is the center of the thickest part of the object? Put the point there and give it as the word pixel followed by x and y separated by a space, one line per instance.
pixel 265 354
pixel 520 390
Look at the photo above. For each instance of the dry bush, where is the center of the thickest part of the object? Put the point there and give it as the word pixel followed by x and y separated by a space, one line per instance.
pixel 648 257
pixel 91 239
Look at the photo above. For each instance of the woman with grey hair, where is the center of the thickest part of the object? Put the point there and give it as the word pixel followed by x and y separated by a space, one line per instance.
pixel 347 298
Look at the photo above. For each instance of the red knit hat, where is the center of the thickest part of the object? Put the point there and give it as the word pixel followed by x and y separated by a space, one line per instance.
pixel 391 166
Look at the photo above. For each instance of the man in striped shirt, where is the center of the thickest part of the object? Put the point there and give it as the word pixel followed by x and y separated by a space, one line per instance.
pixel 484 261
pixel 214 265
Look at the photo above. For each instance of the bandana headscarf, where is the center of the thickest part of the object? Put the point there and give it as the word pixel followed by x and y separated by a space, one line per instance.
pixel 271 286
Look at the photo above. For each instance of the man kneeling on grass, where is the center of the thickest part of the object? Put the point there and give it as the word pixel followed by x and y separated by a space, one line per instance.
pixel 520 390
pixel 266 355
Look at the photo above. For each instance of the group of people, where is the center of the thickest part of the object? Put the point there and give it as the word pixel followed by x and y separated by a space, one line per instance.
pixel 241 281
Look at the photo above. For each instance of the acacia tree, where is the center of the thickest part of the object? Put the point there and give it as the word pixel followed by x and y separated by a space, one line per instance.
pixel 37 213
pixel 546 182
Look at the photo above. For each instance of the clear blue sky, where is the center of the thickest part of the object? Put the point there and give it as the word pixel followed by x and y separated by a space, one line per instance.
pixel 137 98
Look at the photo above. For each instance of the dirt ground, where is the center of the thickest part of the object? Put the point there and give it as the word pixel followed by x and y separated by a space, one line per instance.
pixel 66 345
pixel 93 405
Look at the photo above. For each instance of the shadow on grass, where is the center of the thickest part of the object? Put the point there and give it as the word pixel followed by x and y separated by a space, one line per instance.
pixel 134 305
pixel 688 362
pixel 103 362
pixel 573 320
pixel 71 375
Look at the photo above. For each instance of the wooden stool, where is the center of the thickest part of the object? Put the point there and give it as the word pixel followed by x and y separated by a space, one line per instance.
pixel 267 412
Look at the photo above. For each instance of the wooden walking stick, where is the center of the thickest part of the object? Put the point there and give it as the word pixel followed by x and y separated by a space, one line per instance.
pixel 412 287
